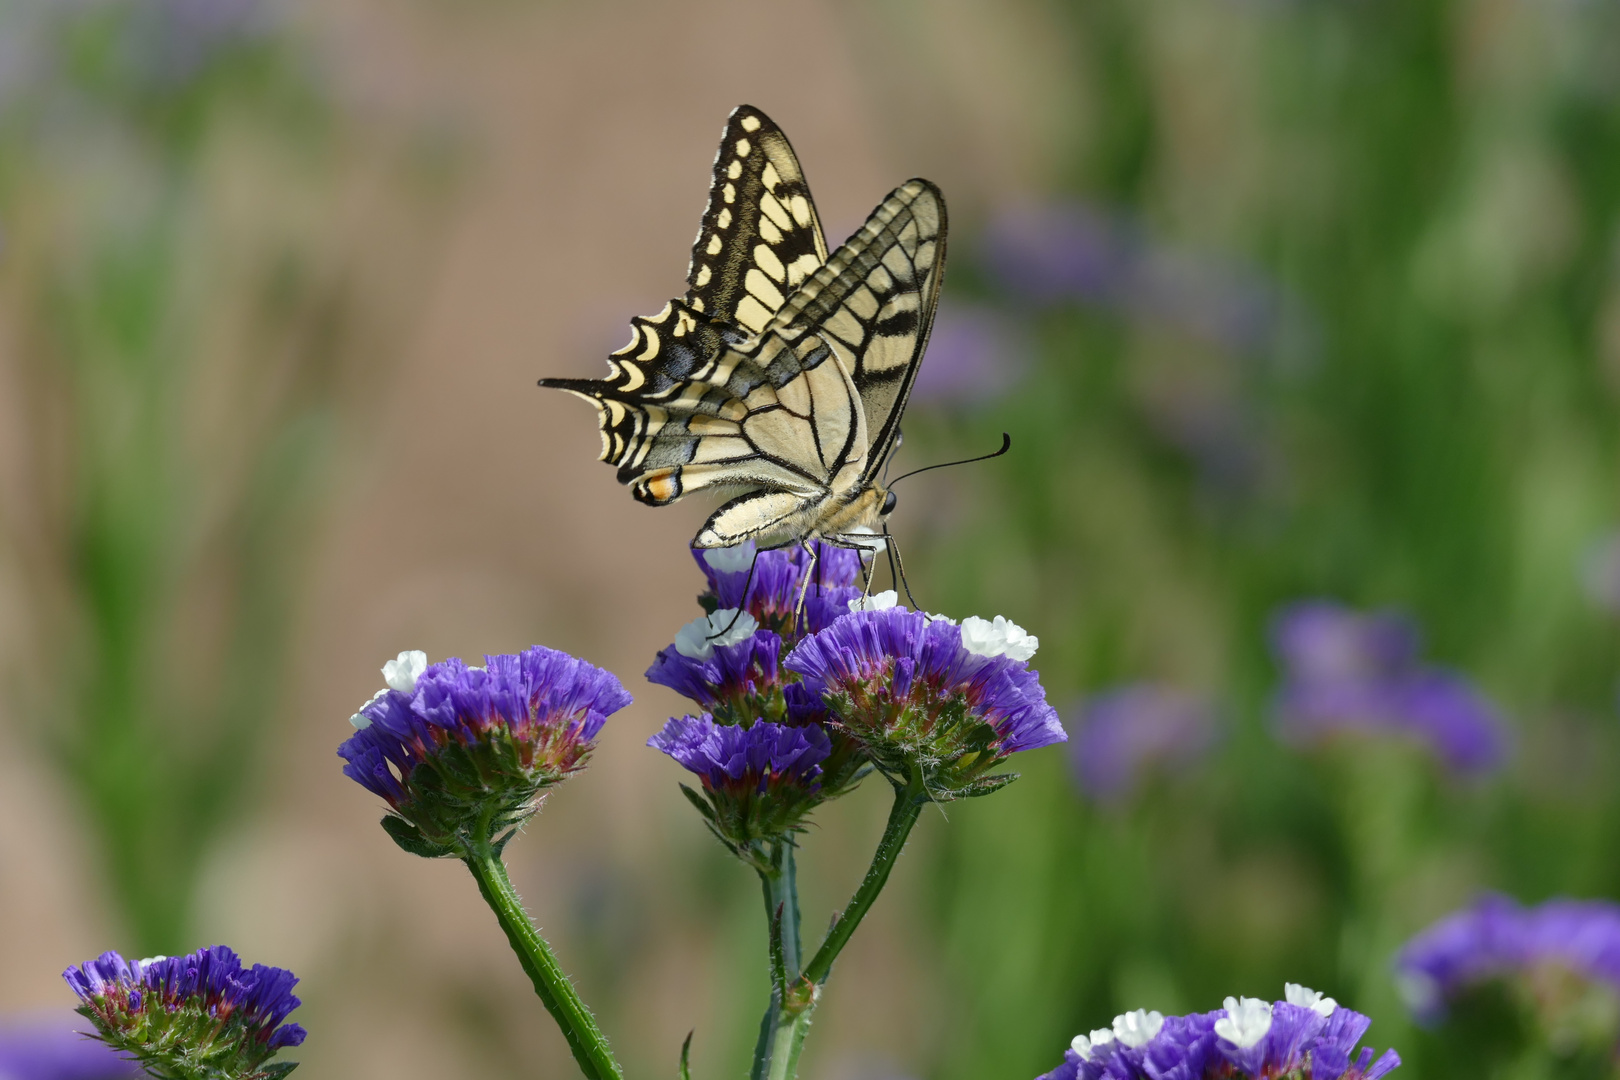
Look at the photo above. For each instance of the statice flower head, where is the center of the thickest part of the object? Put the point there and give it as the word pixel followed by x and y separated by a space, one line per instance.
pixel 1560 960
pixel 1348 672
pixel 1128 732
pixel 463 755
pixel 195 1017
pixel 758 781
pixel 1303 1037
pixel 931 701
pixel 728 662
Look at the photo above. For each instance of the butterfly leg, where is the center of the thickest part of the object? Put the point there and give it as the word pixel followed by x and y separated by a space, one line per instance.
pixel 742 600
pixel 804 586
pixel 900 563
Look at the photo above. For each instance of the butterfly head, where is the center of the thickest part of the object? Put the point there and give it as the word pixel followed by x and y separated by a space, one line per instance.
pixel 889 501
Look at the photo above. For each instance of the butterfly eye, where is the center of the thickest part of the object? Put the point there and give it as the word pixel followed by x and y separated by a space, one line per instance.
pixel 889 501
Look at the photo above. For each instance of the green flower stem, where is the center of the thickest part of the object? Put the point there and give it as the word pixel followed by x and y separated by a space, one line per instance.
pixel 781 888
pixel 908 804
pixel 787 1022
pixel 585 1039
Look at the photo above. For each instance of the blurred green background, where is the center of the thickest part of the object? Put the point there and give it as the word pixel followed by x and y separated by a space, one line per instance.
pixel 276 280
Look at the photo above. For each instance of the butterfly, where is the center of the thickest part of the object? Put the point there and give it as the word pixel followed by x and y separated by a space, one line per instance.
pixel 781 376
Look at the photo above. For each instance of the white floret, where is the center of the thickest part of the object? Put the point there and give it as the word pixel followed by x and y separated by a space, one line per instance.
pixel 1245 1023
pixel 1084 1045
pixel 882 601
pixel 360 721
pixel 1137 1028
pixel 730 560
pixel 998 637
pixel 698 638
pixel 401 673
pixel 1306 998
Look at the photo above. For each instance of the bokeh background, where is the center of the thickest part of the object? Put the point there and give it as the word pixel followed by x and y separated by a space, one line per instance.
pixel 1279 300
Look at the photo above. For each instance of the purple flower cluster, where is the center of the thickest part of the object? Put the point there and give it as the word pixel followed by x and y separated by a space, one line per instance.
pixel 923 698
pixel 458 750
pixel 1128 732
pixel 204 1010
pixel 1306 1036
pixel 50 1047
pixel 1347 671
pixel 759 781
pixel 1497 938
pixel 762 769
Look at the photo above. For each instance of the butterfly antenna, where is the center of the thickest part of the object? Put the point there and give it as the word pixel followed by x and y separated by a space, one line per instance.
pixel 901 564
pixel 1006 444
pixel 742 602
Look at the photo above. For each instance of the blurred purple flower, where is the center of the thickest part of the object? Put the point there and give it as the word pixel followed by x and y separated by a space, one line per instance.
pixel 1348 671
pixel 1600 572
pixel 1497 938
pixel 975 354
pixel 1067 251
pixel 1304 1035
pixel 51 1046
pixel 1127 732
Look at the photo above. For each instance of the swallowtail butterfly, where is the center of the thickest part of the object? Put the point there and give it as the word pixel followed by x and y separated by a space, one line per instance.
pixel 781 376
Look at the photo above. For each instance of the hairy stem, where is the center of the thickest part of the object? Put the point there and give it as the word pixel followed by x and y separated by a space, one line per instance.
pixel 585 1039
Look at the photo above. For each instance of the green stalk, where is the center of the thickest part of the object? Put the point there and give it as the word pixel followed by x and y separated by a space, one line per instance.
pixel 908 804
pixel 585 1039
pixel 781 889
pixel 787 1022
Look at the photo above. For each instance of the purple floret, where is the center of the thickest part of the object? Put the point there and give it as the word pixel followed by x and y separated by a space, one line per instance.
pixel 1347 671
pixel 1129 731
pixel 1496 938
pixel 751 758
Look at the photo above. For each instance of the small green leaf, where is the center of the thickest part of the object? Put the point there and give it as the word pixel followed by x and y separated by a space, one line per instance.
pixel 277 1070
pixel 686 1056
pixel 700 802
pixel 410 838
pixel 987 784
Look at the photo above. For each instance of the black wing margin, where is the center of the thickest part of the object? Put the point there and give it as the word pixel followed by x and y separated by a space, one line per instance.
pixel 760 237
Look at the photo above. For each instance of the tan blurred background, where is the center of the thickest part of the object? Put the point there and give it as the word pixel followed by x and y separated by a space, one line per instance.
pixel 465 512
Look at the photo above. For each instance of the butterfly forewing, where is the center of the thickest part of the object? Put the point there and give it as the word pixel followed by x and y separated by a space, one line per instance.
pixel 760 237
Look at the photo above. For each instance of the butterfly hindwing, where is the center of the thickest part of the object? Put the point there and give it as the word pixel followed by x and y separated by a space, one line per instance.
pixel 760 237
pixel 874 302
